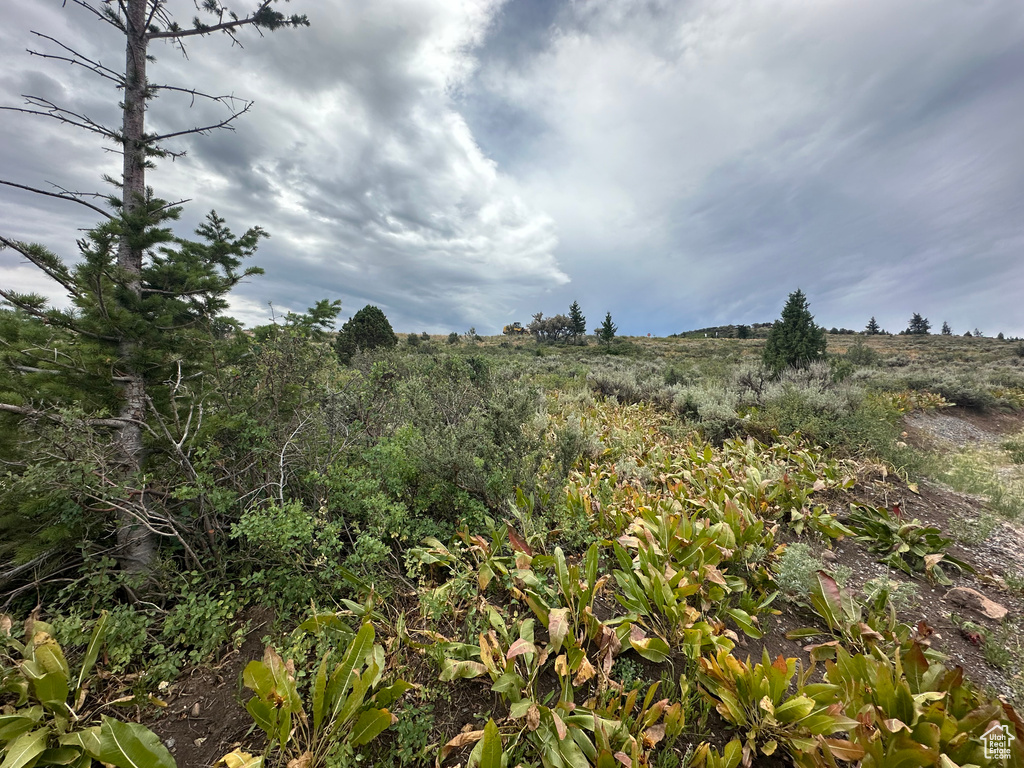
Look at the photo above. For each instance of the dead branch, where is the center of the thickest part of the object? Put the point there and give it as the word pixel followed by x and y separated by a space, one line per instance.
pixel 226 124
pixel 51 110
pixel 78 59
pixel 72 196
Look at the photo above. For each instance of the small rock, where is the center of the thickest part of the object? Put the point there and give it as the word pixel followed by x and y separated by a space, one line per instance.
pixel 170 743
pixel 971 598
pixel 195 710
pixel 829 555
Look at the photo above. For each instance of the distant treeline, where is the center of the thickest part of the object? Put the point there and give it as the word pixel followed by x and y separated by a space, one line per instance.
pixel 753 331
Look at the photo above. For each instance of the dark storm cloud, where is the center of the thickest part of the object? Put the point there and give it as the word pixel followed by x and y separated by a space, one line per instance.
pixel 702 160
pixel 683 164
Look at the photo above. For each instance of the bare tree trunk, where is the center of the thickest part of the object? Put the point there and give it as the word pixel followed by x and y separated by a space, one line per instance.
pixel 137 543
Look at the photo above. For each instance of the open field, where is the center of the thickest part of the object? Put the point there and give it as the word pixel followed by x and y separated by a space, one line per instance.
pixel 569 553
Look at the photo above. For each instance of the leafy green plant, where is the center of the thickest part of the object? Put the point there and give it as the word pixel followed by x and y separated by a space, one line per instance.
pixel 347 707
pixel 850 622
pixel 795 570
pixel 915 712
pixel 46 724
pixel 707 756
pixel 909 546
pixel 674 579
pixel 558 730
pixel 818 518
pixel 757 700
pixel 412 736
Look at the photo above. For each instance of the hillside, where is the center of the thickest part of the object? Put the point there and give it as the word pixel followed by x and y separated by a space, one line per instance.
pixel 541 534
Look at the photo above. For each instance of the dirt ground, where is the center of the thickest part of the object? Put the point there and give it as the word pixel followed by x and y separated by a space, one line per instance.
pixel 205 717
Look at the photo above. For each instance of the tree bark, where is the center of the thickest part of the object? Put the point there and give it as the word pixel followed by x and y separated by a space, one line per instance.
pixel 137 544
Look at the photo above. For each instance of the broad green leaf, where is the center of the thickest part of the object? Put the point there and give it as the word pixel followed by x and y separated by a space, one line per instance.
pixel 491 747
pixel 319 687
pixel 385 697
pixel 369 725
pixel 258 679
pixel 265 716
pixel 87 740
pixel 732 754
pixel 745 622
pixel 322 621
pixel 794 709
pixel 93 651
pixel 25 749
pixel 12 726
pixel 651 648
pixel 562 573
pixel 345 672
pixel 131 745
pixel 60 756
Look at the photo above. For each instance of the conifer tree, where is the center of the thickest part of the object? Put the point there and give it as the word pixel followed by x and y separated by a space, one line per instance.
pixel 794 339
pixel 872 328
pixel 946 330
pixel 918 326
pixel 606 333
pixel 577 322
pixel 141 294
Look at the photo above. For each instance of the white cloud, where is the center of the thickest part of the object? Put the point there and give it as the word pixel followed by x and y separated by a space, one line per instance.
pixel 357 161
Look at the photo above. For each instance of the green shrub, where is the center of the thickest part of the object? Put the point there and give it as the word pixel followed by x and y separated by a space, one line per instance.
pixel 368 329
pixel 796 570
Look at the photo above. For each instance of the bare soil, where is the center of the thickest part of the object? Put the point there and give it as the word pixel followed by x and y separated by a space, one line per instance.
pixel 205 717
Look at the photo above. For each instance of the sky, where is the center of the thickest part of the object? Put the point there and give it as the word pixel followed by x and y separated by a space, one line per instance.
pixel 468 163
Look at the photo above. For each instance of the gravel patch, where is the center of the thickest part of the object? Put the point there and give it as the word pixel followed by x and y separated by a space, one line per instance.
pixel 951 429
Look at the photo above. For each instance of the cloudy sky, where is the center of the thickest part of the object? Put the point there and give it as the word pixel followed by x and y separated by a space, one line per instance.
pixel 679 163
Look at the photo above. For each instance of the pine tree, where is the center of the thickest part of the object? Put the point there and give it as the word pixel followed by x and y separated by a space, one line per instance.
pixel 872 328
pixel 606 333
pixel 367 329
pixel 918 326
pixel 578 323
pixel 141 294
pixel 946 330
pixel 794 339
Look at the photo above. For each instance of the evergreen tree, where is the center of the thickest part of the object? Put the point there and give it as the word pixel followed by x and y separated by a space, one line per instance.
pixel 794 339
pixel 606 333
pixel 872 328
pixel 742 331
pixel 919 326
pixel 578 323
pixel 946 330
pixel 367 329
pixel 139 292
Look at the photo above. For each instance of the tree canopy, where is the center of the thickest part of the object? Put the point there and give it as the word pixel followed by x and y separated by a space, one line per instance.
pixel 368 329
pixel 794 339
